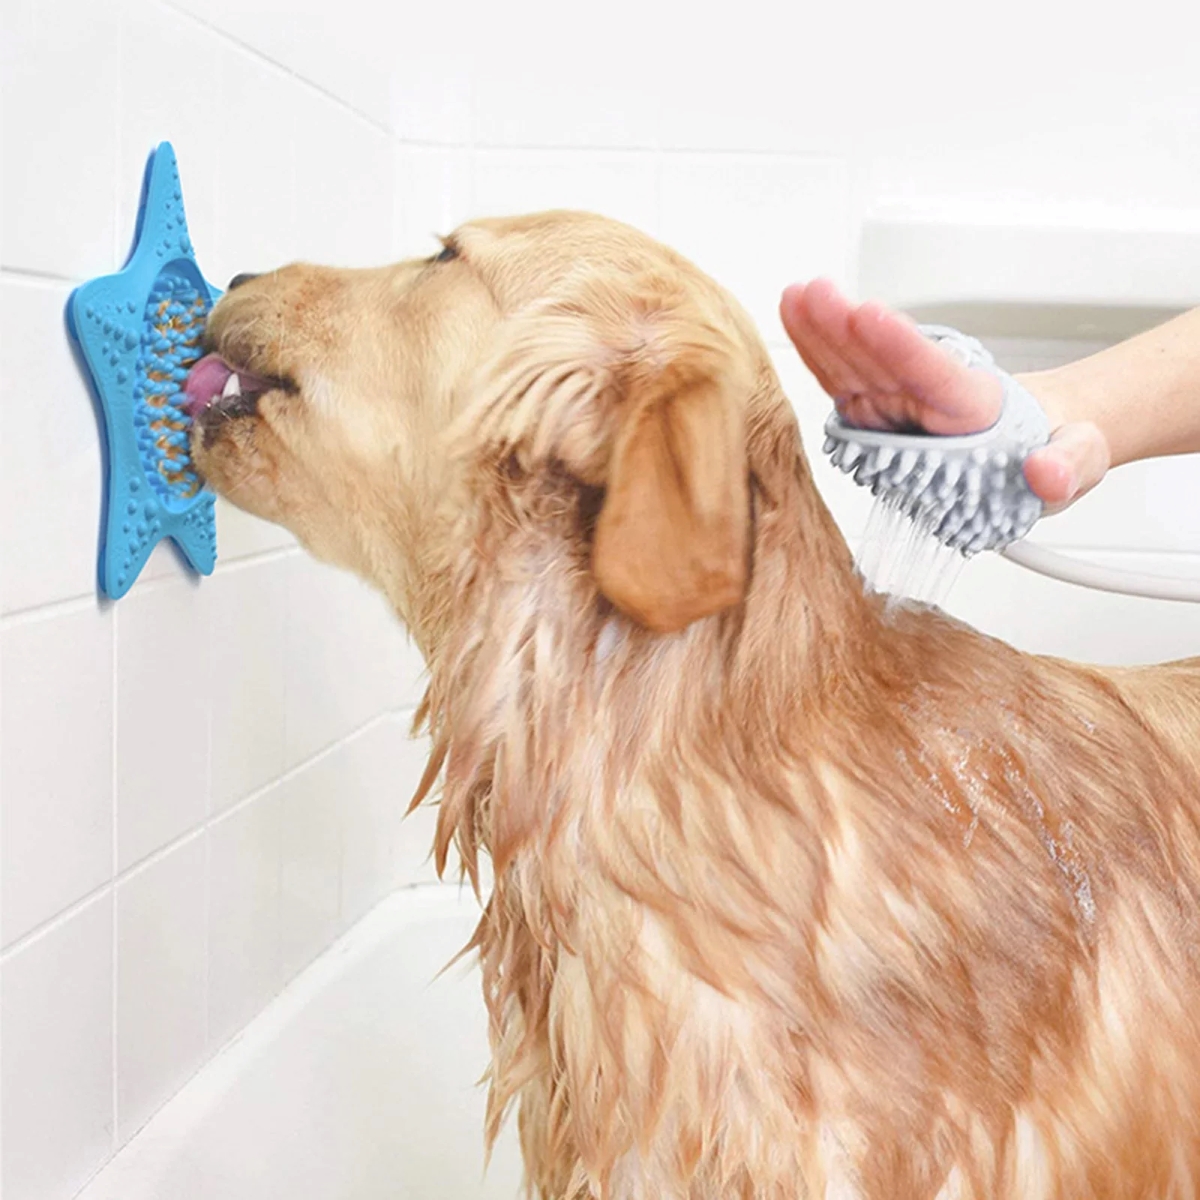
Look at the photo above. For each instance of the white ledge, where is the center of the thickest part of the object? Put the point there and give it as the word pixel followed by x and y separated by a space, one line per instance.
pixel 1029 274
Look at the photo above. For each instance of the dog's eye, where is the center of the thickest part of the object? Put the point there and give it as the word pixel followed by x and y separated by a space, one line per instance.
pixel 448 251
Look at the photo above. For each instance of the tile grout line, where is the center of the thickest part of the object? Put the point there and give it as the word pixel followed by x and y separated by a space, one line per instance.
pixel 255 52
pixel 209 626
pixel 291 773
pixel 642 151
pixel 110 885
pixel 114 872
pixel 122 30
pixel 34 275
pixel 70 605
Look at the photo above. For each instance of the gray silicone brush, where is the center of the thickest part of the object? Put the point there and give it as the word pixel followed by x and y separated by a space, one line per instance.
pixel 968 491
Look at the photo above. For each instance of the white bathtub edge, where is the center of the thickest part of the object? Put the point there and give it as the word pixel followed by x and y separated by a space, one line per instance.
pixel 158 1142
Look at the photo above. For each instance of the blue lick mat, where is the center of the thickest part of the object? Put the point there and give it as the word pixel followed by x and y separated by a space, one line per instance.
pixel 138 332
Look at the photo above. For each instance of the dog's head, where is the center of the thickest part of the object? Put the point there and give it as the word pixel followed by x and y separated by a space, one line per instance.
pixel 375 405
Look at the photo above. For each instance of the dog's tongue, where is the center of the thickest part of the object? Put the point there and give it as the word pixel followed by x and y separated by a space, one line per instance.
pixel 205 382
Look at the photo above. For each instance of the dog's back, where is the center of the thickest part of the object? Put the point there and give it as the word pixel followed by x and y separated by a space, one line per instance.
pixel 1167 698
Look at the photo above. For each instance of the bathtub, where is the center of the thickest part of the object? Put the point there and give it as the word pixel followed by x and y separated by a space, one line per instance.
pixel 359 1082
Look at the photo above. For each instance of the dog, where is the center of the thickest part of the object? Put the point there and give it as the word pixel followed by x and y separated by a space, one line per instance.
pixel 796 893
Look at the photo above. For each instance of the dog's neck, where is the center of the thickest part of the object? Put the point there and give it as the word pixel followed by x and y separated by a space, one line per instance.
pixel 535 678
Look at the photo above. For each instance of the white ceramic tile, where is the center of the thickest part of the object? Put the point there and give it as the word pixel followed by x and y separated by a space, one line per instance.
pixel 160 982
pixel 312 810
pixel 348 50
pixel 345 50
pixel 239 535
pixel 757 224
pixel 152 34
pixel 58 125
pixel 624 186
pixel 382 849
pixel 433 65
pixel 56 761
pixel 432 196
pixel 771 78
pixel 1108 129
pixel 348 657
pixel 256 210
pixel 248 623
pixel 163 693
pixel 264 26
pixel 244 916
pixel 56 1070
pixel 344 181
pixel 50 454
pixel 550 75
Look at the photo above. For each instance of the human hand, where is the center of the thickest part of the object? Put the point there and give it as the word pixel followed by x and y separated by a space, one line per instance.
pixel 882 373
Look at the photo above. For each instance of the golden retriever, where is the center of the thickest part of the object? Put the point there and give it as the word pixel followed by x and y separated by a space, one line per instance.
pixel 796 894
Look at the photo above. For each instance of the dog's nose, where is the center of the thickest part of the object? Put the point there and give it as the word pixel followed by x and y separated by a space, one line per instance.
pixel 238 280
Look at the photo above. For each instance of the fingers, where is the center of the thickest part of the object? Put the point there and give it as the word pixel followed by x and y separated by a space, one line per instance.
pixel 880 370
pixel 832 316
pixel 819 352
pixel 1074 460
pixel 947 397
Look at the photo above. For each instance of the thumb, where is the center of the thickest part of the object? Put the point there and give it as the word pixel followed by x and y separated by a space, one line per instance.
pixel 1074 460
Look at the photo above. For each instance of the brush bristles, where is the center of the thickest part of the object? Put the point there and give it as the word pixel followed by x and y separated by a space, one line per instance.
pixel 971 499
pixel 171 343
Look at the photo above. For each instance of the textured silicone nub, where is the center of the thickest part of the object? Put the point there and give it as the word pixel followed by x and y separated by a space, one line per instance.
pixel 138 332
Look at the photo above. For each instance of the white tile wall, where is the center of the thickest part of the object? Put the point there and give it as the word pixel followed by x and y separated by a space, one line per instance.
pixel 757 222
pixel 58 105
pixel 255 110
pixel 161 981
pixel 56 752
pixel 150 30
pixel 334 687
pixel 50 457
pixel 343 186
pixel 380 845
pixel 432 196
pixel 624 186
pixel 56 1013
pixel 235 793
pixel 201 785
pixel 164 696
pixel 247 661
pixel 243 917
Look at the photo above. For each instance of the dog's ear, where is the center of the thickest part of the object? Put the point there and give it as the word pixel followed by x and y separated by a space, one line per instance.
pixel 671 541
pixel 632 386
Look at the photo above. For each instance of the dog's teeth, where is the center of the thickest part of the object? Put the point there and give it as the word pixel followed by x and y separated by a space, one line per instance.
pixel 830 443
pixel 854 453
pixel 839 454
pixel 233 387
pixel 881 457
